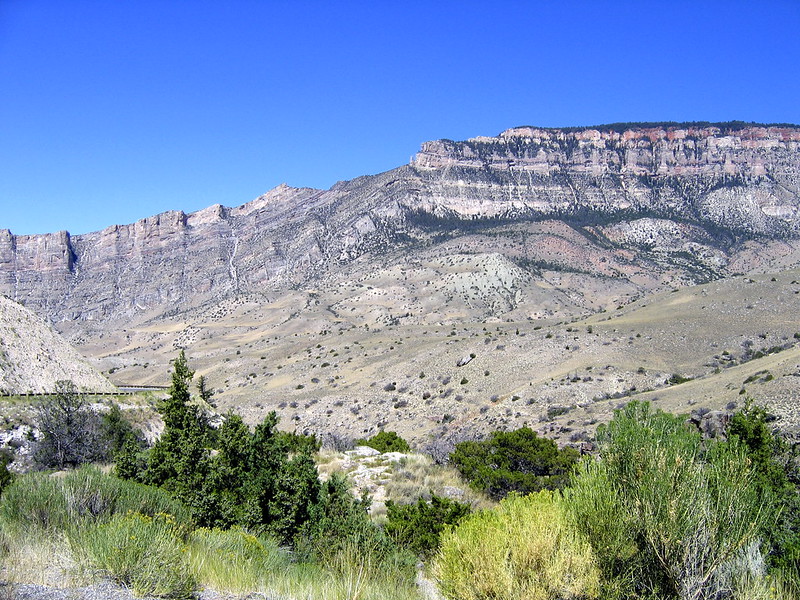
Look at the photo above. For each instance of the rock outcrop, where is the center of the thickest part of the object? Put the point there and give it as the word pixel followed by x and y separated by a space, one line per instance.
pixel 741 179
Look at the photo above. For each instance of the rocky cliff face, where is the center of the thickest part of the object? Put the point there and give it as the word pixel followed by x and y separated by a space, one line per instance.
pixel 647 203
pixel 743 180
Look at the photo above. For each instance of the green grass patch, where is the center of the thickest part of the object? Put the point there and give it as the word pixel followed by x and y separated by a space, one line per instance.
pixel 235 561
pixel 144 553
pixel 80 498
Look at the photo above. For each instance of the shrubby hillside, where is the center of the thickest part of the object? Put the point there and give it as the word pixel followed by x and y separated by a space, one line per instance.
pixel 661 510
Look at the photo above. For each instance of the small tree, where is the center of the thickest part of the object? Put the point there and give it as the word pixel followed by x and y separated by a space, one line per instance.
pixel 180 461
pixel 515 461
pixel 386 441
pixel 70 429
pixel 418 526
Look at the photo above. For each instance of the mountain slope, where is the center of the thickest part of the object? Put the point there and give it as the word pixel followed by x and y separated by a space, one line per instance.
pixel 33 356
pixel 408 269
pixel 677 203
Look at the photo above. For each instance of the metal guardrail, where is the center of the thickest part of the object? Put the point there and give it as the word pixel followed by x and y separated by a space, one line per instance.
pixel 122 390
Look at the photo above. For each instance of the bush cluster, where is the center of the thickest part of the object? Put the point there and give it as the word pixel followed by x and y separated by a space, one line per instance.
pixel 672 514
pixel 264 481
pixel 251 493
pixel 385 441
pixel 661 513
pixel 144 539
pixel 515 461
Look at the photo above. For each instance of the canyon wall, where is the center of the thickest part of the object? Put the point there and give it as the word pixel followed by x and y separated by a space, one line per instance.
pixel 712 188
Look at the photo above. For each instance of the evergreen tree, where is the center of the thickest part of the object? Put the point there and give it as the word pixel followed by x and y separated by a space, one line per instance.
pixel 297 492
pixel 264 459
pixel 251 480
pixel 117 432
pixel 205 392
pixel 229 470
pixel 180 460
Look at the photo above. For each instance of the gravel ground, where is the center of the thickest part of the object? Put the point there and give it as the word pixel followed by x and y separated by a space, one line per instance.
pixel 106 590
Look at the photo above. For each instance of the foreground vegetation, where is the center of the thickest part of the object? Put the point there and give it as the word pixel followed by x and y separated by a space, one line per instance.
pixel 231 508
pixel 144 539
pixel 660 514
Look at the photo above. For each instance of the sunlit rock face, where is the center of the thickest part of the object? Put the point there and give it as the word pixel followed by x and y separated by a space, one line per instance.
pixel 637 203
pixel 33 357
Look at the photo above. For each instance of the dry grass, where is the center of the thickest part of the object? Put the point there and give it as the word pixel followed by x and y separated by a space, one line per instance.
pixel 41 558
pixel 417 475
pixel 329 462
pixel 401 478
pixel 527 549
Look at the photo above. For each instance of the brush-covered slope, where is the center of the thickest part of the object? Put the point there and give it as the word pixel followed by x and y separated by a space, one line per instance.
pixel 326 372
pixel 348 308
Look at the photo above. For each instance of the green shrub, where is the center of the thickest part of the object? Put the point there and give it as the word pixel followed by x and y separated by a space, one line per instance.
pixel 776 476
pixel 144 553
pixel 6 476
pixel 80 498
pixel 678 516
pixel 516 461
pixel 677 379
pixel 526 549
pixel 386 441
pixel 117 432
pixel 296 442
pixel 339 519
pixel 417 527
pixel 598 512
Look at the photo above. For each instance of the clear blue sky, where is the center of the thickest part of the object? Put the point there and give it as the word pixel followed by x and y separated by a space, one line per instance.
pixel 114 110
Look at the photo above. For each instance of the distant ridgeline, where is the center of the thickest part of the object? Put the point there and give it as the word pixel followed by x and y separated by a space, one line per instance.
pixel 722 126
pixel 682 198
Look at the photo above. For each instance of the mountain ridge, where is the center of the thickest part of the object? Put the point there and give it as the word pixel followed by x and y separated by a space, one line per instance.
pixel 625 192
pixel 529 229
